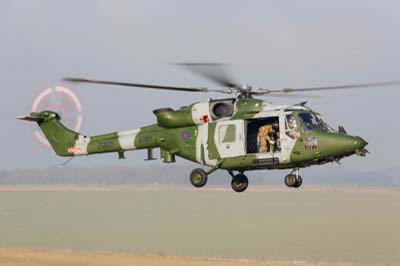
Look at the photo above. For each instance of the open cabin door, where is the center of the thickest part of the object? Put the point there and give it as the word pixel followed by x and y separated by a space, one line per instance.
pixel 229 138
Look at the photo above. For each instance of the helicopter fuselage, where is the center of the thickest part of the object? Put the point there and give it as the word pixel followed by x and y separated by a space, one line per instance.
pixel 232 134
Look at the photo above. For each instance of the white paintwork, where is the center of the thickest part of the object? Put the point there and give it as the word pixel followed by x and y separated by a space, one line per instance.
pixel 199 140
pixel 81 145
pixel 127 139
pixel 199 110
pixel 204 141
pixel 287 143
pixel 230 149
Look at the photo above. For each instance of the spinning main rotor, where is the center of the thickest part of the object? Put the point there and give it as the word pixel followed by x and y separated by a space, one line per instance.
pixel 216 73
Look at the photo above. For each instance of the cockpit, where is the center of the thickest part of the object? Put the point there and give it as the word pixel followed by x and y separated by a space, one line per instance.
pixel 309 121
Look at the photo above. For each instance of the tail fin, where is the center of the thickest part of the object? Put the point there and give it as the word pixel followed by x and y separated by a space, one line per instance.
pixel 60 137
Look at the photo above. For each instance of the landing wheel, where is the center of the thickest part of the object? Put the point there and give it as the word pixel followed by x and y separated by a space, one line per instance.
pixel 198 177
pixel 290 180
pixel 239 183
pixel 298 183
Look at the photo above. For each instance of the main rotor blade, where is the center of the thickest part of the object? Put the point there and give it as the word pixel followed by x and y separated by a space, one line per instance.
pixel 285 95
pixel 350 86
pixel 215 72
pixel 150 86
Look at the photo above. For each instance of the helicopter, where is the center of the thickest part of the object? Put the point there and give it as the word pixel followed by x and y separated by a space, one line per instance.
pixel 236 134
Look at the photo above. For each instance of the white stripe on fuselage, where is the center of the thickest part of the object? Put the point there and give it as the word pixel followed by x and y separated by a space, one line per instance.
pixel 199 141
pixel 81 145
pixel 126 139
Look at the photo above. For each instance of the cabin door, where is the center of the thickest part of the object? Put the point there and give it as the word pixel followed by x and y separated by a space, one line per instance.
pixel 229 138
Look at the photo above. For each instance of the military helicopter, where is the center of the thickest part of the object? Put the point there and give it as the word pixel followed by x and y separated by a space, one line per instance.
pixel 236 134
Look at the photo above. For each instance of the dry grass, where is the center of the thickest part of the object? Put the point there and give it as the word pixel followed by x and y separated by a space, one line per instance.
pixel 30 257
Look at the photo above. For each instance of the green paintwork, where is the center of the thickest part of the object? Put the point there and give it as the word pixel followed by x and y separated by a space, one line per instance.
pixel 148 137
pixel 329 145
pixel 248 108
pixel 59 137
pixel 211 145
pixel 174 142
pixel 239 163
pixel 104 143
pixel 169 118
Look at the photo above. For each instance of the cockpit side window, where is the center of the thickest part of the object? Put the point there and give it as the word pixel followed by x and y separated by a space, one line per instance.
pixel 309 122
pixel 291 129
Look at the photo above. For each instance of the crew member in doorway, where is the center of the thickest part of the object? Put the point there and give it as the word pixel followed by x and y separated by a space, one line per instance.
pixel 267 137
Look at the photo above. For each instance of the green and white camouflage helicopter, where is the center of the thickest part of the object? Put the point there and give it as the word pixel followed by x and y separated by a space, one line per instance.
pixel 234 134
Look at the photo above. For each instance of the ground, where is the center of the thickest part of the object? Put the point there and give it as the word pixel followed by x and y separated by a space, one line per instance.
pixel 268 226
pixel 29 257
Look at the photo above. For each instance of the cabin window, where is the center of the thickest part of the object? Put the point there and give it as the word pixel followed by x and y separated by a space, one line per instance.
pixel 227 133
pixel 291 127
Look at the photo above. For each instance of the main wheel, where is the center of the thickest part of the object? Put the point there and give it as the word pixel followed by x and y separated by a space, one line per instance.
pixel 239 183
pixel 298 183
pixel 198 177
pixel 290 180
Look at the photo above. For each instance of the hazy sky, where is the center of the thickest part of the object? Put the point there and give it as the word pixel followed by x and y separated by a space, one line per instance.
pixel 272 44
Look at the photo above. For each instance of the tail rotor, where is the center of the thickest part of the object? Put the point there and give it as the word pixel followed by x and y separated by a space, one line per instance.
pixel 62 100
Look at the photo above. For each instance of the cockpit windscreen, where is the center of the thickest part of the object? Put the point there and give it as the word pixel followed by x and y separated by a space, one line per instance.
pixel 309 122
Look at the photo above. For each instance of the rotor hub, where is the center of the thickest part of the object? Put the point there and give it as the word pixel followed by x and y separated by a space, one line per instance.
pixel 245 91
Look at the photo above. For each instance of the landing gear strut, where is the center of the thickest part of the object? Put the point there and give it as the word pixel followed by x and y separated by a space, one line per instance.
pixel 239 182
pixel 293 179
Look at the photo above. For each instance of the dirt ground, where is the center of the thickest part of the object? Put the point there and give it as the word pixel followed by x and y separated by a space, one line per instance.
pixel 30 257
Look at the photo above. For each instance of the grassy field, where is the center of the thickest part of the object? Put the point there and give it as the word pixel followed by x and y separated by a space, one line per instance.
pixel 29 257
pixel 329 225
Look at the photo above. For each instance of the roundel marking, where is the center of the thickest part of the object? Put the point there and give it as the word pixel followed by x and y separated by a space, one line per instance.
pixel 185 135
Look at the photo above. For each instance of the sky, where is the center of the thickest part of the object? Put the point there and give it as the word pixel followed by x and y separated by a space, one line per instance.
pixel 268 44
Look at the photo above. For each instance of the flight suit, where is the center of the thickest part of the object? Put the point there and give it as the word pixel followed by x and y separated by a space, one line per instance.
pixel 265 137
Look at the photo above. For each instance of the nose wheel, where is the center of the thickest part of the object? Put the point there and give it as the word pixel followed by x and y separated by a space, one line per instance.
pixel 293 179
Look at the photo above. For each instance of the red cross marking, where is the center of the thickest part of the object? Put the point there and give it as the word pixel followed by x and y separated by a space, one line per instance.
pixel 204 119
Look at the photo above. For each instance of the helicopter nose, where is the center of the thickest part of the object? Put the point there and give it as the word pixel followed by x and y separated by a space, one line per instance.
pixel 351 145
pixel 360 143
pixel 359 146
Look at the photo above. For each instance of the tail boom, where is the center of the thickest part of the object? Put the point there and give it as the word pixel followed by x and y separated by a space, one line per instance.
pixel 66 142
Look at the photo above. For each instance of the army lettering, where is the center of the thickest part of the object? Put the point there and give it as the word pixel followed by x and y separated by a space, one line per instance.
pixel 146 138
